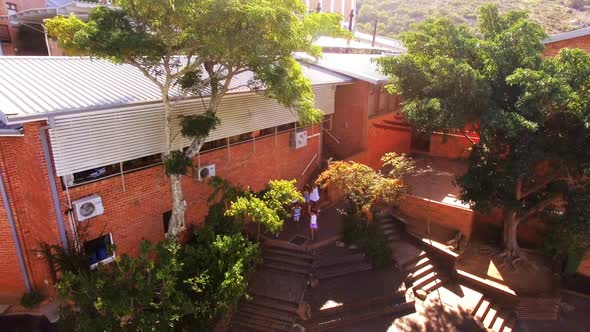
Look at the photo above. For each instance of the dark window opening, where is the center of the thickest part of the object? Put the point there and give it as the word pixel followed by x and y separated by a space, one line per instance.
pixel 99 250
pixel 420 141
pixel 240 138
pixel 142 162
pixel 31 40
pixel 267 132
pixel 216 144
pixel 166 220
pixel 4 33
pixel 96 173
pixel 286 127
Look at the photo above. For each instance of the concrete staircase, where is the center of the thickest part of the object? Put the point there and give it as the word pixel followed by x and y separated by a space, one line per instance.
pixel 424 276
pixel 493 316
pixel 263 313
pixel 326 267
pixel 339 317
pixel 287 259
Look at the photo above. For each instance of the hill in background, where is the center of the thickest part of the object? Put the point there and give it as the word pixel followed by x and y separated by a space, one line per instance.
pixel 395 16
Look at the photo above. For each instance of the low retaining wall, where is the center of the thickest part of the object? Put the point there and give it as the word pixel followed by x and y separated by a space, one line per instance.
pixel 421 210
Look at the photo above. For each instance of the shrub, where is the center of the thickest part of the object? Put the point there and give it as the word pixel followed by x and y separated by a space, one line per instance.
pixel 32 299
pixel 368 238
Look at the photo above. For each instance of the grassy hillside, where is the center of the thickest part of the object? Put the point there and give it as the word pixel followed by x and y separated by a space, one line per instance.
pixel 395 16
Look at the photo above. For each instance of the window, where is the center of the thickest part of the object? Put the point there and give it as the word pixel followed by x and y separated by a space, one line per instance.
pixel 267 132
pixel 240 138
pixel 286 127
pixel 143 162
pixel 4 35
pixel 99 251
pixel 166 220
pixel 10 8
pixel 219 143
pixel 95 174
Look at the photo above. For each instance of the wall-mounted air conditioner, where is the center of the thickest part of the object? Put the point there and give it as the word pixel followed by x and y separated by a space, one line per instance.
pixel 205 172
pixel 88 207
pixel 299 139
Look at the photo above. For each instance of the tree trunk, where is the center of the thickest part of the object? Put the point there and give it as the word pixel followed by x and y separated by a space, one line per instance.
pixel 176 223
pixel 510 235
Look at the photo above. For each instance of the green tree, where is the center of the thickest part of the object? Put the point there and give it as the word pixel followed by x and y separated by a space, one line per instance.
pixel 364 188
pixel 268 208
pixel 528 111
pixel 200 46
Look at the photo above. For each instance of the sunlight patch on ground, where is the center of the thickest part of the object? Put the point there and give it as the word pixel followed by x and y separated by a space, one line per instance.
pixel 330 304
pixel 494 272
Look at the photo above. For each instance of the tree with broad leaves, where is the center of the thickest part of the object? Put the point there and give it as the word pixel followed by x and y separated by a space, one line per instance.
pixel 186 47
pixel 532 114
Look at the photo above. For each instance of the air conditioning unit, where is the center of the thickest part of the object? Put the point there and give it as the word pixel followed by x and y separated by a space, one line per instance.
pixel 68 180
pixel 88 207
pixel 299 139
pixel 205 172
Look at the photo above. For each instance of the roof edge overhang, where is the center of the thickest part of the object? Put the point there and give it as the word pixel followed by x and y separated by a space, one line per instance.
pixel 567 35
pixel 19 119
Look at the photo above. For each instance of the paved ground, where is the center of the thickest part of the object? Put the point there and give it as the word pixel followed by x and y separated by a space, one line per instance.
pixel 574 317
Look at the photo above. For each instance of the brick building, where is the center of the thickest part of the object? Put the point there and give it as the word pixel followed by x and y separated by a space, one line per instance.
pixel 83 130
pixel 572 39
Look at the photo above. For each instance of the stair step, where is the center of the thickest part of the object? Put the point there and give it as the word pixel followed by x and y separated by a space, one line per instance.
pixel 490 317
pixel 424 279
pixel 478 305
pixel 485 305
pixel 257 323
pixel 420 273
pixel 414 260
pixel 387 225
pixel 287 260
pixel 286 268
pixel 322 262
pixel 286 252
pixel 499 320
pixel 508 325
pixel 434 285
pixel 256 310
pixel 339 271
pixel 272 303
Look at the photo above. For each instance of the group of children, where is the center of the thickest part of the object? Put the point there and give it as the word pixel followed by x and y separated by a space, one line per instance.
pixel 311 196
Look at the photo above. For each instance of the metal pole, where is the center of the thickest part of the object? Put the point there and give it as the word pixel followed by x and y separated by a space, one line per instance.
pixel 374 34
pixel 46 40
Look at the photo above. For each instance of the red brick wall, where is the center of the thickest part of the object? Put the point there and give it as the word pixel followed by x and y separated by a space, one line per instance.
pixel 445 215
pixel 450 146
pixel 135 213
pixel 383 138
pixel 553 49
pixel 28 187
pixel 349 121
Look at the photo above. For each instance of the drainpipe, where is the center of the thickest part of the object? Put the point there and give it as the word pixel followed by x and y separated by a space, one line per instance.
pixel 15 239
pixel 51 175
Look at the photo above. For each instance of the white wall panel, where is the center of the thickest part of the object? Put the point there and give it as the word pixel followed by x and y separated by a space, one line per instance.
pixel 92 139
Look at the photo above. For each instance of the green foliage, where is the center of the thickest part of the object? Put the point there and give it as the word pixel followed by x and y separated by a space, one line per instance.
pixel 176 163
pixel 268 208
pixel 368 238
pixel 528 111
pixel 397 16
pixel 167 287
pixel 32 299
pixel 363 187
pixel 199 126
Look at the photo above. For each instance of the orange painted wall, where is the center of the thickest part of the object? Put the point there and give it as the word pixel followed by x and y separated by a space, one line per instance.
pixel 448 216
pixel 584 268
pixel 450 146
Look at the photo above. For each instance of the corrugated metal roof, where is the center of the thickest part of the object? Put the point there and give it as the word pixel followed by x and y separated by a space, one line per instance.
pixel 568 35
pixel 33 87
pixel 359 66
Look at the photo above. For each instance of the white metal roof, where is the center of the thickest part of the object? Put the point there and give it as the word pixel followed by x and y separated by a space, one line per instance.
pixel 392 44
pixel 53 8
pixel 359 66
pixel 331 42
pixel 568 35
pixel 34 87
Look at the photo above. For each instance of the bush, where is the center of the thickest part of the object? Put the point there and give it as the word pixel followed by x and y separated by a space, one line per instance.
pixel 368 237
pixel 32 299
